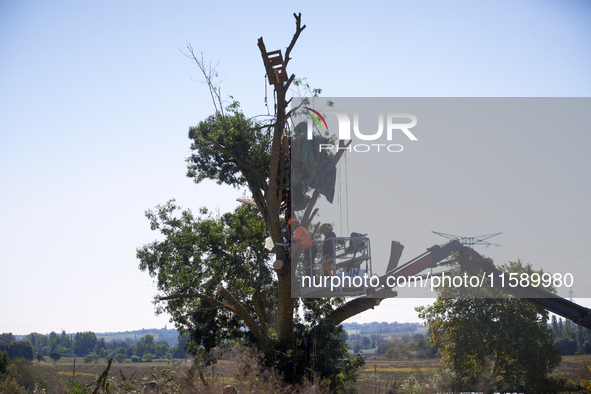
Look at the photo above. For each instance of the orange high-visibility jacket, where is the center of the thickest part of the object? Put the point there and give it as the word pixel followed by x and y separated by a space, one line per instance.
pixel 303 235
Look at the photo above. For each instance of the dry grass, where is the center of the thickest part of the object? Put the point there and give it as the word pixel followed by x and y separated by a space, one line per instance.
pixel 574 368
pixel 377 374
pixel 56 376
pixel 380 372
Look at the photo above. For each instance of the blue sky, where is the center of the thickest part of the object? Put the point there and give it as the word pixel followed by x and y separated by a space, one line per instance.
pixel 96 100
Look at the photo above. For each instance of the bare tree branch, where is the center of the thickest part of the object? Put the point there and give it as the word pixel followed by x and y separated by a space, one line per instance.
pixel 289 83
pixel 299 29
pixel 209 73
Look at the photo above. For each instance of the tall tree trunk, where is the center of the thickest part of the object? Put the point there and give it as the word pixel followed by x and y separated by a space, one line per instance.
pixel 285 303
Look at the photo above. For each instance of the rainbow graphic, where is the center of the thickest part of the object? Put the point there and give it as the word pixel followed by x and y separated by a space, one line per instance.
pixel 316 115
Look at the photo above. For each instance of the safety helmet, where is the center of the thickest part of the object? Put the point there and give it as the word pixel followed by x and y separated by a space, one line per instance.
pixel 327 226
pixel 291 220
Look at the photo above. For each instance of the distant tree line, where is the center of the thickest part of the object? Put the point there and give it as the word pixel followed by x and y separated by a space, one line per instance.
pixel 15 349
pixel 382 327
pixel 169 335
pixel 18 376
pixel 570 338
pixel 87 344
pixel 404 346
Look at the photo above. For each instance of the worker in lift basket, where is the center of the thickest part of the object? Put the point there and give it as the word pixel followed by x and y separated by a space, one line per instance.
pixel 300 240
pixel 328 248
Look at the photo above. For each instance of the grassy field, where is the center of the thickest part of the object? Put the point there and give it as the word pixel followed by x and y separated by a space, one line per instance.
pixel 56 376
pixel 377 374
pixel 574 368
pixel 380 372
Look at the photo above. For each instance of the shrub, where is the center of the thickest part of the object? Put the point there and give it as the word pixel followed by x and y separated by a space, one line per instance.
pixel 67 351
pixel 89 358
pixel 10 385
pixel 586 384
pixel 74 386
pixel 55 356
pixel 4 362
pixel 392 353
pixel 136 359
pixel 119 358
pixel 148 358
pixel 26 375
pixel 20 349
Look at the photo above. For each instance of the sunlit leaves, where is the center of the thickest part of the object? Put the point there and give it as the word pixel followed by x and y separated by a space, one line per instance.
pixel 197 253
pixel 481 338
pixel 230 149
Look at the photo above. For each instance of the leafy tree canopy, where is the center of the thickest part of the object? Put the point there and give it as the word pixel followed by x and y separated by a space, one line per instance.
pixel 230 149
pixel 198 255
pixel 484 340
pixel 214 275
pixel 55 357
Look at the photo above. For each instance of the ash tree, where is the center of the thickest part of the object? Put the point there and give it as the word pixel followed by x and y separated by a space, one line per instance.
pixel 214 275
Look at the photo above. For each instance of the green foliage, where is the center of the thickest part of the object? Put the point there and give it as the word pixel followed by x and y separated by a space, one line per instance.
pixel 319 351
pixel 20 349
pixel 146 344
pixel 4 362
pixel 84 342
pixel 406 347
pixel 197 255
pixel 10 385
pixel 55 356
pixel 120 358
pixel 6 339
pixel 230 150
pixel 26 375
pixel 101 347
pixel 75 386
pixel 161 350
pixel 179 351
pixel 89 358
pixel 365 343
pixel 38 341
pixel 213 272
pixel 136 359
pixel 392 353
pixel 480 339
pixel 148 358
pixel 356 346
pixel 571 338
pixel 59 343
pixel 441 381
pixel 586 384
pixel 382 348
pixel 66 351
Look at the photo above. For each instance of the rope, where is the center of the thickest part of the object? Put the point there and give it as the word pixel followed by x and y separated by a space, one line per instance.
pixel 347 189
pixel 275 104
pixel 340 198
pixel 266 104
